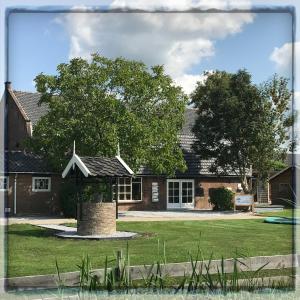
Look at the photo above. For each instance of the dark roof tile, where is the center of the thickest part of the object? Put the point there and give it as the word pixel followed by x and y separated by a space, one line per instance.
pixel 104 166
pixel 195 165
pixel 190 116
pixel 30 104
pixel 24 162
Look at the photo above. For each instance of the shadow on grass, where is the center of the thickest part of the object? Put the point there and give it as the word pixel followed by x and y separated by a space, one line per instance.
pixel 33 232
pixel 45 233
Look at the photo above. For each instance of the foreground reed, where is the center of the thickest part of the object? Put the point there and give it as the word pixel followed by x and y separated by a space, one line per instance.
pixel 156 277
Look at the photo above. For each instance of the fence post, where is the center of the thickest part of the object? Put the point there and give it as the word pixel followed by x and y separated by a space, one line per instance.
pixel 118 265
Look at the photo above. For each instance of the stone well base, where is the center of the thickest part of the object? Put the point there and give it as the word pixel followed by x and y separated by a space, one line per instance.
pixel 96 218
pixel 118 235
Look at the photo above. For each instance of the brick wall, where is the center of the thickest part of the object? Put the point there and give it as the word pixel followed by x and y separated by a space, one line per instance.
pixel 47 203
pixel 96 218
pixel 18 128
pixel 29 202
pixel 146 203
pixel 202 186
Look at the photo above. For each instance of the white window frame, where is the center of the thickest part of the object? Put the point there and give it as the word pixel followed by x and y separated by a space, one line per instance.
pixel 181 205
pixel 130 200
pixel 7 183
pixel 41 190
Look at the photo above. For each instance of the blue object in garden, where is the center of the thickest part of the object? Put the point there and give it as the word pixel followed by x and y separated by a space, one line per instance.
pixel 282 220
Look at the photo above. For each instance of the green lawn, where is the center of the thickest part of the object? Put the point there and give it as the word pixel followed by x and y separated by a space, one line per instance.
pixel 33 250
pixel 286 213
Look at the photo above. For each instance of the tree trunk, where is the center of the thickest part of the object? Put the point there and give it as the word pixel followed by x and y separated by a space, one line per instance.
pixel 245 184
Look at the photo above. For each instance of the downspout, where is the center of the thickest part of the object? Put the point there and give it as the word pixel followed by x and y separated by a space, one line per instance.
pixel 15 194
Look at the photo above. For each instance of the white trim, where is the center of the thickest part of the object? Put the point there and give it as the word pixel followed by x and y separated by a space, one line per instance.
pixel 124 164
pixel 7 183
pixel 41 190
pixel 130 201
pixel 75 160
pixel 181 205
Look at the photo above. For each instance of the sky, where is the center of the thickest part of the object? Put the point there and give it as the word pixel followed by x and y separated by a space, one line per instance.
pixel 186 44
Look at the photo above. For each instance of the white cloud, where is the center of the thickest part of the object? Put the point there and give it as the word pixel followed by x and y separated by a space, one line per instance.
pixel 181 4
pixel 282 57
pixel 179 41
pixel 184 54
pixel 188 81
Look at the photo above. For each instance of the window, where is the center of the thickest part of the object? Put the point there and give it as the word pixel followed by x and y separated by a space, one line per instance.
pixel 4 183
pixel 283 188
pixel 130 189
pixel 41 184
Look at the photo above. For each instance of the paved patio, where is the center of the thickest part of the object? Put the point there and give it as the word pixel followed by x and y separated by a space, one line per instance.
pixel 199 215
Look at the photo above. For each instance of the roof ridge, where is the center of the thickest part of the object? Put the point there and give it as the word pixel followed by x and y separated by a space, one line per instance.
pixel 26 92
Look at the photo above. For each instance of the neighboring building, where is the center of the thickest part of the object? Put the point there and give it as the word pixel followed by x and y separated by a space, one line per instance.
pixel 29 182
pixel 35 188
pixel 276 188
pixel 282 187
pixel 30 185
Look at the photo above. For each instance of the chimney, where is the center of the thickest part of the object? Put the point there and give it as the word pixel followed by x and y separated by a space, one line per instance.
pixel 8 85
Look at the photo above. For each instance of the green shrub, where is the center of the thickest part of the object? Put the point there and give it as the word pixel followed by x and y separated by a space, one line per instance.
pixel 68 199
pixel 96 192
pixel 221 198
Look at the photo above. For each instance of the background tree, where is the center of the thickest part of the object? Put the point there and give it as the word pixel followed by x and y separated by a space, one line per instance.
pixel 105 102
pixel 241 125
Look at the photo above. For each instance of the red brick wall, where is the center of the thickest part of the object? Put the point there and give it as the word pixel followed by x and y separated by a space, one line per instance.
pixel 146 203
pixel 17 127
pixel 29 202
pixel 47 203
pixel 275 194
pixel 201 202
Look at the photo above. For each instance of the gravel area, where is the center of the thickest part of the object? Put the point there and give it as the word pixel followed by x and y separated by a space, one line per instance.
pixel 130 216
pixel 71 233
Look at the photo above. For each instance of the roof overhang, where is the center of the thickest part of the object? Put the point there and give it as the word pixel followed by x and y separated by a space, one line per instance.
pixel 280 172
pixel 76 161
pixel 118 157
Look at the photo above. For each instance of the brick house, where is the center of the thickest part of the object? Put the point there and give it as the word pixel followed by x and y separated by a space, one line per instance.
pixel 32 187
pixel 29 183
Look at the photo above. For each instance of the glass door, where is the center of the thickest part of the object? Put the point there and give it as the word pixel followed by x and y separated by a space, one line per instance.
pixel 187 194
pixel 173 194
pixel 180 193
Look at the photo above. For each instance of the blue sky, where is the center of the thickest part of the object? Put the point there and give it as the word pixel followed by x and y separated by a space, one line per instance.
pixel 38 42
pixel 252 47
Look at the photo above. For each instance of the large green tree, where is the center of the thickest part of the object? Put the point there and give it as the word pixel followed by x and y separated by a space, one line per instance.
pixel 240 125
pixel 102 103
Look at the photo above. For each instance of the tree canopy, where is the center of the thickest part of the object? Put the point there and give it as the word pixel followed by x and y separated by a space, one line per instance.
pixel 240 125
pixel 102 103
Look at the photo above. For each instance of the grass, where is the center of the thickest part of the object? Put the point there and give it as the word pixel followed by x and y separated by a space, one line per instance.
pixel 286 213
pixel 33 250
